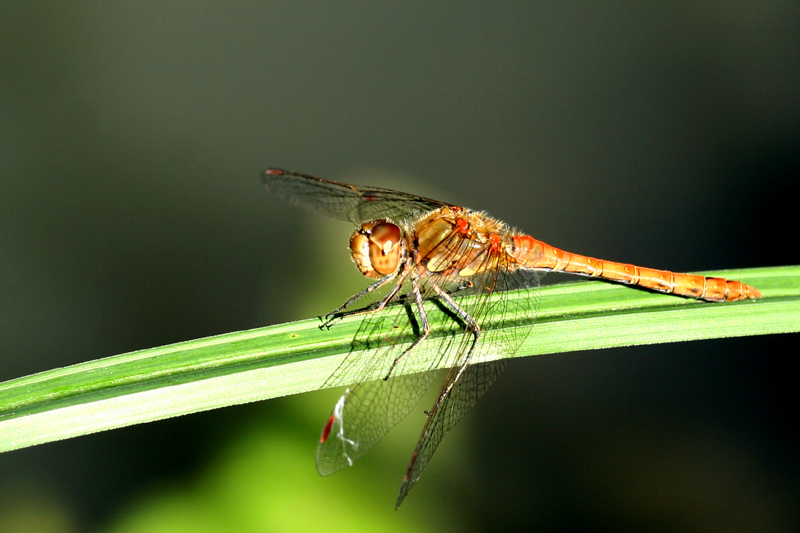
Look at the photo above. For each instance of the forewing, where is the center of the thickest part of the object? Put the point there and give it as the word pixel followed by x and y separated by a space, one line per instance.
pixel 351 203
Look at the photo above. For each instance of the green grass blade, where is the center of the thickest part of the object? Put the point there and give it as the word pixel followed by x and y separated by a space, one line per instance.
pixel 297 357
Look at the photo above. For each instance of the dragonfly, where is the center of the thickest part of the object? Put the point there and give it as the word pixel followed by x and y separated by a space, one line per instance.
pixel 426 251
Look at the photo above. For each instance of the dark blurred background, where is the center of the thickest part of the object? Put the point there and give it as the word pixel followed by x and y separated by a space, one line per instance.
pixel 132 135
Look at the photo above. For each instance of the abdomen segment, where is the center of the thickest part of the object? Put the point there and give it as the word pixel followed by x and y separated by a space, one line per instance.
pixel 527 252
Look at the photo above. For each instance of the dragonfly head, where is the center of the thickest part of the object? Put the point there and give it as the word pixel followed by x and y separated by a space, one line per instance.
pixel 377 248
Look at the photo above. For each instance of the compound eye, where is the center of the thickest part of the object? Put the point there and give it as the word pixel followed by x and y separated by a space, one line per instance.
pixel 376 248
pixel 385 248
pixel 386 236
pixel 359 251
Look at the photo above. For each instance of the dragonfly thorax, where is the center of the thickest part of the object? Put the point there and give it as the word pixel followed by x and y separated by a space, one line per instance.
pixel 377 248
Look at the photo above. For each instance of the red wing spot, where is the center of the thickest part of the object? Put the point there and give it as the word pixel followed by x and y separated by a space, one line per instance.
pixel 327 430
pixel 494 241
pixel 275 172
pixel 462 226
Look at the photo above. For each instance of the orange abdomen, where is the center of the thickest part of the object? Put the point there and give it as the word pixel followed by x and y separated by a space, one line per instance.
pixel 527 252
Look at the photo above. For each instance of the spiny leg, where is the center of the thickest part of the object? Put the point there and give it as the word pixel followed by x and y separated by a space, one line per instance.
pixel 426 329
pixel 338 312
pixel 423 318
pixel 471 324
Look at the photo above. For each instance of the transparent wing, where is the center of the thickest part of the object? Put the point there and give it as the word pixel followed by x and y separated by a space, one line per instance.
pixel 474 371
pixel 462 389
pixel 370 408
pixel 363 416
pixel 366 412
pixel 351 203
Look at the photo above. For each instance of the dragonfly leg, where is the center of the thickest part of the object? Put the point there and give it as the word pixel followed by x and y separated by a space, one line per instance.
pixel 465 363
pixel 463 315
pixel 339 312
pixel 426 328
pixel 423 318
